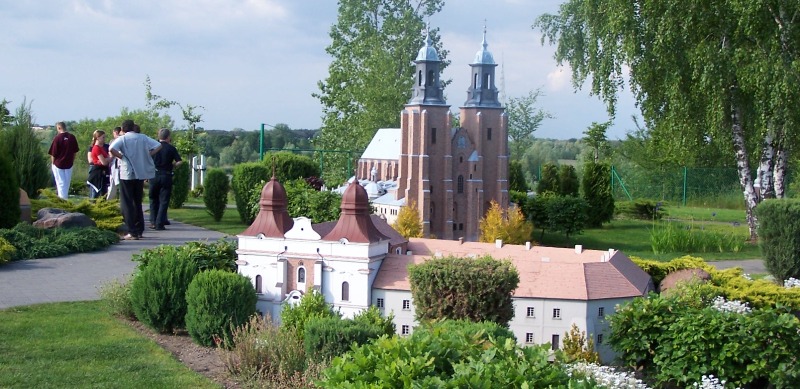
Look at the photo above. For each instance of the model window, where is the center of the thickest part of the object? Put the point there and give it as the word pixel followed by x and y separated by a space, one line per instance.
pixel 555 342
pixel 379 303
pixel 345 291
pixel 406 305
pixel 460 184
pixel 556 313
pixel 433 135
pixel 489 134
pixel 529 337
pixel 301 275
pixel 599 338
pixel 531 311
pixel 405 329
pixel 258 284
pixel 601 312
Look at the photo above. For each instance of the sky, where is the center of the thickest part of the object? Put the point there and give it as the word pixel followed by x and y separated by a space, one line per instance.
pixel 248 62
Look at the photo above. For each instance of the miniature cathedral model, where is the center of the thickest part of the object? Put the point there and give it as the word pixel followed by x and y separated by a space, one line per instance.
pixel 451 174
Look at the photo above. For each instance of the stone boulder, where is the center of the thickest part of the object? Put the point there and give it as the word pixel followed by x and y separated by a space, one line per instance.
pixel 684 275
pixel 59 218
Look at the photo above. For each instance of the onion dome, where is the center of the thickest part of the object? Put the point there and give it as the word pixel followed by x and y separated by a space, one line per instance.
pixel 273 219
pixel 355 223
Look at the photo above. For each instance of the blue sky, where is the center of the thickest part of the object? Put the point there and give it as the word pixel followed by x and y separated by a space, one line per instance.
pixel 253 61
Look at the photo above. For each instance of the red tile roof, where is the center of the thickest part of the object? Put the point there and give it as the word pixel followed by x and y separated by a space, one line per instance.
pixel 273 219
pixel 544 272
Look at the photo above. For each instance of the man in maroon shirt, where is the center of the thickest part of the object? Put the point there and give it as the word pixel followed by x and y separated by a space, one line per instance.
pixel 62 156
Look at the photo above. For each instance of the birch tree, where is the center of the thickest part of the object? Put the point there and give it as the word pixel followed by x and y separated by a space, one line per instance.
pixel 703 73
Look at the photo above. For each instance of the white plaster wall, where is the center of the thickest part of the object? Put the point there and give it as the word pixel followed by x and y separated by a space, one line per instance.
pixel 393 303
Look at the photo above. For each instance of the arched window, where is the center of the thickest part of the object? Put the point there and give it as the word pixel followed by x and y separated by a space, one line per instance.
pixel 419 78
pixel 301 275
pixel 460 184
pixel 258 284
pixel 429 80
pixel 345 291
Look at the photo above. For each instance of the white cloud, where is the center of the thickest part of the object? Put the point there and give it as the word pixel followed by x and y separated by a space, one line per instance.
pixel 558 79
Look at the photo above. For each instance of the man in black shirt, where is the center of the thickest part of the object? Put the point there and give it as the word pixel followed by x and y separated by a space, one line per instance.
pixel 161 185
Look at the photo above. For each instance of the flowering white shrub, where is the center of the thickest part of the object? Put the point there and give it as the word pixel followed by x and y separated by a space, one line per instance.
pixel 606 376
pixel 791 283
pixel 747 277
pixel 709 382
pixel 734 306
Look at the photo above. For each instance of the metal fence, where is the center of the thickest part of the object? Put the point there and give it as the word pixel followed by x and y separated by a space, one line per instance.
pixel 681 185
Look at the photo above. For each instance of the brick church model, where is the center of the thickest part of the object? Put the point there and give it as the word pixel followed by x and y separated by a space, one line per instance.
pixel 451 174
pixel 360 261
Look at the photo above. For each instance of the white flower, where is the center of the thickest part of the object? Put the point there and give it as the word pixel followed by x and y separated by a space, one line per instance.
pixel 734 306
pixel 791 283
pixel 709 382
pixel 606 376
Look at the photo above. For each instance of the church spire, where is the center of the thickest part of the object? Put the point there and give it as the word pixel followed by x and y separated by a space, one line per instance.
pixel 427 89
pixel 482 91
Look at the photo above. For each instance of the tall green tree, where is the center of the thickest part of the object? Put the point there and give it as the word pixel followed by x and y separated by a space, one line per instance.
pixel 29 160
pixel 523 119
pixel 597 140
pixel 369 80
pixel 704 73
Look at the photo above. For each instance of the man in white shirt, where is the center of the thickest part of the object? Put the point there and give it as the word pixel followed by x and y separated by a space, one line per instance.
pixel 135 153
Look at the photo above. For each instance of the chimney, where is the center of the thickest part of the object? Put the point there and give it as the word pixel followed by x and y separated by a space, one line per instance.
pixel 578 248
pixel 527 245
pixel 498 243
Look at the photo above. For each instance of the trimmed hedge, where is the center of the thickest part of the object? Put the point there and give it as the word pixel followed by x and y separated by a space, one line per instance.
pixel 216 193
pixel 158 292
pixel 218 302
pixel 779 236
pixel 180 185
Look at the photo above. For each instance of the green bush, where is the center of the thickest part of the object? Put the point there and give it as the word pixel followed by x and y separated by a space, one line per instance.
pixel 564 214
pixel 116 299
pixel 548 182
pixel 180 185
pixel 197 192
pixel 641 209
pixel 29 161
pixel 158 293
pixel 289 166
pixel 246 175
pixel 31 242
pixel 329 337
pixel 217 302
pixel 444 288
pixel 219 255
pixel 778 231
pixel 597 192
pixel 9 193
pixel 675 340
pixel 216 193
pixel 516 177
pixel 568 184
pixel 311 306
pixel 372 316
pixel 7 251
pixel 305 201
pixel 445 355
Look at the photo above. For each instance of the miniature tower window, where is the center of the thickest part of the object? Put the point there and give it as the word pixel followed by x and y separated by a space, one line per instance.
pixel 345 291
pixel 301 275
pixel 258 284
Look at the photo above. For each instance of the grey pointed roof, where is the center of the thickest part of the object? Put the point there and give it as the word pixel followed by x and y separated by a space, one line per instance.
pixel 483 56
pixel 427 52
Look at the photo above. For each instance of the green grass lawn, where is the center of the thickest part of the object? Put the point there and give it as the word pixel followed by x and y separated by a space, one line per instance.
pixel 78 345
pixel 630 236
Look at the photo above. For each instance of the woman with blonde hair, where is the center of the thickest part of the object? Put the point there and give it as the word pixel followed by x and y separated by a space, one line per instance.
pixel 98 165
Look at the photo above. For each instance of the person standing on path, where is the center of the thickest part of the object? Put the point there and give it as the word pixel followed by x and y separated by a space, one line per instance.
pixel 62 156
pixel 98 165
pixel 135 153
pixel 113 177
pixel 161 186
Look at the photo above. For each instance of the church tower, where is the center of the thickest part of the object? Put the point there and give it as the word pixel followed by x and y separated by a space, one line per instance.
pixel 480 155
pixel 425 156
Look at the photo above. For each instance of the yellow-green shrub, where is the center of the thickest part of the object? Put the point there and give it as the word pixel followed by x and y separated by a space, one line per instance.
pixel 106 213
pixel 7 251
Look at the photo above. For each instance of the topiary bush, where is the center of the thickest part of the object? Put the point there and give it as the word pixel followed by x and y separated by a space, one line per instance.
pixel 216 193
pixel 158 293
pixel 246 175
pixel 217 303
pixel 778 229
pixel 326 338
pixel 180 185
pixel 9 193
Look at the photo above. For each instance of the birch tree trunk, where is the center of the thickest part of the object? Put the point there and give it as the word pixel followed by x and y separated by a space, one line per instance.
pixel 766 168
pixel 781 164
pixel 743 167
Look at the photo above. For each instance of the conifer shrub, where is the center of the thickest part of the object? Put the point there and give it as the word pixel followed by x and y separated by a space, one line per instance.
pixel 330 337
pixel 596 187
pixel 180 185
pixel 516 177
pixel 29 161
pixel 548 182
pixel 31 242
pixel 158 293
pixel 9 193
pixel 568 184
pixel 216 193
pixel 218 302
pixel 246 175
pixel 778 229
